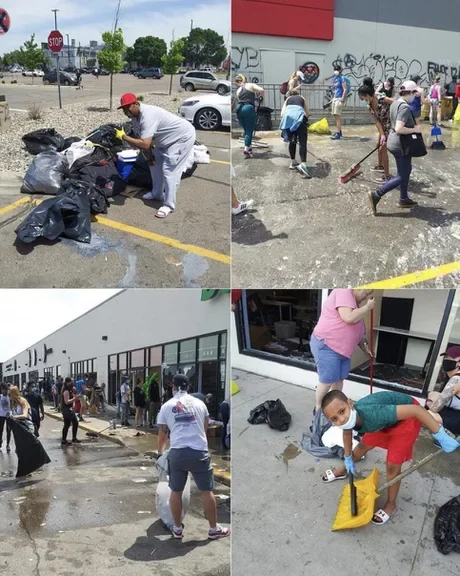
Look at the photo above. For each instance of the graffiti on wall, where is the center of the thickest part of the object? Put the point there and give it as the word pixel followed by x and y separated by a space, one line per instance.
pixel 247 61
pixel 448 70
pixel 379 67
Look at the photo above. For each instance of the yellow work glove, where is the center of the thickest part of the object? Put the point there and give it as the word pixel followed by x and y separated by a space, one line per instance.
pixel 120 133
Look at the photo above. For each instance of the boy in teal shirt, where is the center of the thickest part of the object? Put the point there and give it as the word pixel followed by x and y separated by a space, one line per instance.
pixel 389 420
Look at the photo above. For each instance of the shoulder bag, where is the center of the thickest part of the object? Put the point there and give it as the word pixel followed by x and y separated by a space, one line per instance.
pixel 412 144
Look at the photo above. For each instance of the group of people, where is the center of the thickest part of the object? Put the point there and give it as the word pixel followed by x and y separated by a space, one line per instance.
pixel 388 420
pixel 147 400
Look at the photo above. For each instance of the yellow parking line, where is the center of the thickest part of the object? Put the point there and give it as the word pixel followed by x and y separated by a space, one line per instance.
pixel 415 277
pixel 220 162
pixel 15 205
pixel 164 240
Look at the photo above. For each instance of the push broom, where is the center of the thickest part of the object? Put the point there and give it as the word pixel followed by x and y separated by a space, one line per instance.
pixel 354 169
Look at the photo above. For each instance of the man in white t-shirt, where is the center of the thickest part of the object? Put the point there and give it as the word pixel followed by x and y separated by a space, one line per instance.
pixel 125 393
pixel 174 140
pixel 186 419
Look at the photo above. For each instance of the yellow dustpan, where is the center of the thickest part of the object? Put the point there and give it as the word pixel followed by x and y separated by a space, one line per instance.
pixel 234 388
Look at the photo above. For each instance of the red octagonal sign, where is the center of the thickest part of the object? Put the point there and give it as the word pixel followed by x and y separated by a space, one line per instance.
pixel 55 41
pixel 5 21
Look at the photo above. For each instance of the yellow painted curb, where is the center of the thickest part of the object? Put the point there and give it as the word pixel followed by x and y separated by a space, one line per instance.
pixel 415 277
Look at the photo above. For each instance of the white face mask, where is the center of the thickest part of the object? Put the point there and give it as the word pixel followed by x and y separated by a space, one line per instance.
pixel 336 72
pixel 351 422
pixel 411 98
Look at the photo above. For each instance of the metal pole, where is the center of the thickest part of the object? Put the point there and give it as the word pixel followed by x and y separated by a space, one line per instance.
pixel 68 50
pixel 58 73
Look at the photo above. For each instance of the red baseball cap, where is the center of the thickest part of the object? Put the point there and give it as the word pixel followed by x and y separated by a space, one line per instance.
pixel 453 352
pixel 127 100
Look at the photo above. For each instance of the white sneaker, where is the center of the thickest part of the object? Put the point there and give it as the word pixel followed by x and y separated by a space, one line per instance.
pixel 242 207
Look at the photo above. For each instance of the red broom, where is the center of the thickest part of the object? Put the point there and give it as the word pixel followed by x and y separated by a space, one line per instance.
pixel 371 365
pixel 354 169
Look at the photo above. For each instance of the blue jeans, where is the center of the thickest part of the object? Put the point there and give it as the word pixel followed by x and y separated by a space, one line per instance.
pixel 404 165
pixel 247 118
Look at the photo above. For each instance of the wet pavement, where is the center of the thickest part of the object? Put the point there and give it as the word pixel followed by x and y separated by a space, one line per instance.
pixel 292 511
pixel 319 232
pixel 93 508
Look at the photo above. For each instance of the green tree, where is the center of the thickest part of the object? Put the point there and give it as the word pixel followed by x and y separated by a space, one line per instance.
pixel 148 51
pixel 204 47
pixel 31 55
pixel 129 56
pixel 111 56
pixel 172 60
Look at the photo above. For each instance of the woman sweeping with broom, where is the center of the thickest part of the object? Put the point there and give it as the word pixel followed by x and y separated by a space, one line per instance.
pixel 246 109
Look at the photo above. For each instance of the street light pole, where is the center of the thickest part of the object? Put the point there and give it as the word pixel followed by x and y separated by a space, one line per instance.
pixel 58 72
pixel 68 50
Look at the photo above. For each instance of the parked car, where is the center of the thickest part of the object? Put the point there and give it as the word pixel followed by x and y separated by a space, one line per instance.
pixel 39 73
pixel 207 112
pixel 155 73
pixel 199 80
pixel 65 78
pixel 28 73
pixel 103 72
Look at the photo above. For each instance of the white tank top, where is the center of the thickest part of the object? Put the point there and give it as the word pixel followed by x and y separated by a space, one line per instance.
pixel 5 405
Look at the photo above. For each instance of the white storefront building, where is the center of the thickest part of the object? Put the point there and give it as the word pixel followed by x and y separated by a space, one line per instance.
pixel 137 333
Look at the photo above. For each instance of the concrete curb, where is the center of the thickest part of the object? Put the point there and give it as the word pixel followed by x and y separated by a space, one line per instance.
pixel 222 477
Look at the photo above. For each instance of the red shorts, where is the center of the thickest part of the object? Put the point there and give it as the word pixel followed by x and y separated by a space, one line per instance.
pixel 398 440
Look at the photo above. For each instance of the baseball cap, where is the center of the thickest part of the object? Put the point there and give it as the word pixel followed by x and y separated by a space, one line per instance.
pixel 181 381
pixel 408 86
pixel 127 99
pixel 453 352
pixel 338 68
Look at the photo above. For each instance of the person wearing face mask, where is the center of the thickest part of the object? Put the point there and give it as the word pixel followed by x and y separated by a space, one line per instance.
pixel 402 122
pixel 5 408
pixel 67 409
pixel 174 140
pixel 436 101
pixel 340 329
pixel 389 420
pixel 387 88
pixel 341 90
pixel 445 406
pixel 379 107
pixel 36 406
pixel 417 103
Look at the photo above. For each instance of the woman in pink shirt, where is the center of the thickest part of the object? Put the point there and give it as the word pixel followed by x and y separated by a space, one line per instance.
pixel 339 331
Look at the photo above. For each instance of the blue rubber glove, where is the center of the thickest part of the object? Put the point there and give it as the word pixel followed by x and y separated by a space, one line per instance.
pixel 349 464
pixel 448 444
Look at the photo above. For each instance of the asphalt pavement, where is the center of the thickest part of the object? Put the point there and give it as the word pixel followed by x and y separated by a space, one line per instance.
pixel 92 510
pixel 319 232
pixel 280 497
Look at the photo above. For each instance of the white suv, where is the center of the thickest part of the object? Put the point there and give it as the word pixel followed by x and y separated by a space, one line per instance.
pixel 201 80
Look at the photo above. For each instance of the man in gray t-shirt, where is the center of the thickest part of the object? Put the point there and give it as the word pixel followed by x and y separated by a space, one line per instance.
pixel 174 141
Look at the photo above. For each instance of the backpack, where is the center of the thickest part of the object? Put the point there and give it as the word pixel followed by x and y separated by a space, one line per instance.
pixel 348 83
pixel 284 88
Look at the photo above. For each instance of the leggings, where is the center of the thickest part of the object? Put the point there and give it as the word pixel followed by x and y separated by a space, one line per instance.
pixel 404 165
pixel 247 118
pixel 3 419
pixel 69 419
pixel 300 135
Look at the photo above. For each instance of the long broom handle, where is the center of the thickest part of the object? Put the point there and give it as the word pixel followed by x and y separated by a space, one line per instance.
pixel 371 365
pixel 411 469
pixel 370 154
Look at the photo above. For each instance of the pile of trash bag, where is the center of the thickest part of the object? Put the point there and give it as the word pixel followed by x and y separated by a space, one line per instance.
pixel 313 443
pixel 43 140
pixel 272 412
pixel 163 493
pixel 46 173
pixel 447 527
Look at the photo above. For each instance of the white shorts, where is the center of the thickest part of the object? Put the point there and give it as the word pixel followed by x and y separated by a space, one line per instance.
pixel 337 106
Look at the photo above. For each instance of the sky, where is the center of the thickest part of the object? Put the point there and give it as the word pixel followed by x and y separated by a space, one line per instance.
pixel 27 316
pixel 85 20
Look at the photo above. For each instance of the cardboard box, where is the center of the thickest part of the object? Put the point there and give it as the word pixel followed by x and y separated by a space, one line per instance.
pixel 260 336
pixel 215 431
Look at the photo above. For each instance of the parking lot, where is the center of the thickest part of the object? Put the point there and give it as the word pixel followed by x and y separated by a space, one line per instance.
pixel 319 232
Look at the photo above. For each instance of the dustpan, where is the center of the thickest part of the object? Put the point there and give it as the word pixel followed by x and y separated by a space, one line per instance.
pixel 234 388
pixel 435 133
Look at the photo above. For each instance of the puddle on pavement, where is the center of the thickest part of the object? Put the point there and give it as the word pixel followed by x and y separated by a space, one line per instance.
pixel 194 267
pixel 98 245
pixel 290 453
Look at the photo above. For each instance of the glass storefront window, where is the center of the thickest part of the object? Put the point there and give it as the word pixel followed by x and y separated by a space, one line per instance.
pixel 223 346
pixel 189 370
pixel 122 361
pixel 170 355
pixel 155 356
pixel 187 351
pixel 137 358
pixel 113 362
pixel 208 348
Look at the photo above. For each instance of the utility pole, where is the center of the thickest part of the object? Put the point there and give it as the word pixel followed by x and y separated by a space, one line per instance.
pixel 58 71
pixel 191 25
pixel 68 51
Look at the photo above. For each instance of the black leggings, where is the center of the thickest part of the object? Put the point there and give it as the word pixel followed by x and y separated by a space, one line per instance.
pixel 300 135
pixel 3 419
pixel 69 419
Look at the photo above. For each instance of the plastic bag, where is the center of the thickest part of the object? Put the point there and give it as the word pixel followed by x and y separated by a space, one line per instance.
pixel 69 141
pixel 98 155
pixel 97 197
pixel 42 140
pixel 65 215
pixel 78 150
pixel 162 496
pixel 105 136
pixel 201 154
pixel 320 127
pixel 31 454
pixel 46 173
pixel 447 527
pixel 457 117
pixel 140 175
pixel 278 417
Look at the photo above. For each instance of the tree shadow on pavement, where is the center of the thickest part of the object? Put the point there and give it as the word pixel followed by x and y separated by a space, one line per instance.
pixel 249 230
pixel 156 546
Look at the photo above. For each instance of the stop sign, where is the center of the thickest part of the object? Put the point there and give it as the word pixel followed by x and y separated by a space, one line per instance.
pixel 55 41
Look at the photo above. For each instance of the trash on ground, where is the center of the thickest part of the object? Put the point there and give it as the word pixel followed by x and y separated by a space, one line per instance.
pixel 272 412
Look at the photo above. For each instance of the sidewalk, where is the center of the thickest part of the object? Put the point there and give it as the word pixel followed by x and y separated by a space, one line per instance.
pixel 281 498
pixel 145 440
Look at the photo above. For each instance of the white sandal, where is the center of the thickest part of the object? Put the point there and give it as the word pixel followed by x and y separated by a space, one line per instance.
pixel 163 212
pixel 331 477
pixel 383 517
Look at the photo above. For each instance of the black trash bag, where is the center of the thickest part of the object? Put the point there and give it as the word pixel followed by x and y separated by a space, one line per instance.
pixel 42 140
pixel 189 172
pixel 105 136
pixel 313 443
pixel 97 196
pixel 258 415
pixel 99 154
pixel 115 186
pixel 278 417
pixel 30 452
pixel 447 527
pixel 69 141
pixel 140 174
pixel 66 215
pixel 46 173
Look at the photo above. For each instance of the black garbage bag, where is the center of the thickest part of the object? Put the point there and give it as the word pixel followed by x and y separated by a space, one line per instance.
pixel 65 215
pixel 447 527
pixel 105 136
pixel 42 140
pixel 313 443
pixel 115 186
pixel 46 173
pixel 140 174
pixel 69 141
pixel 189 172
pixel 258 415
pixel 96 194
pixel 103 171
pixel 30 452
pixel 278 417
pixel 99 154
